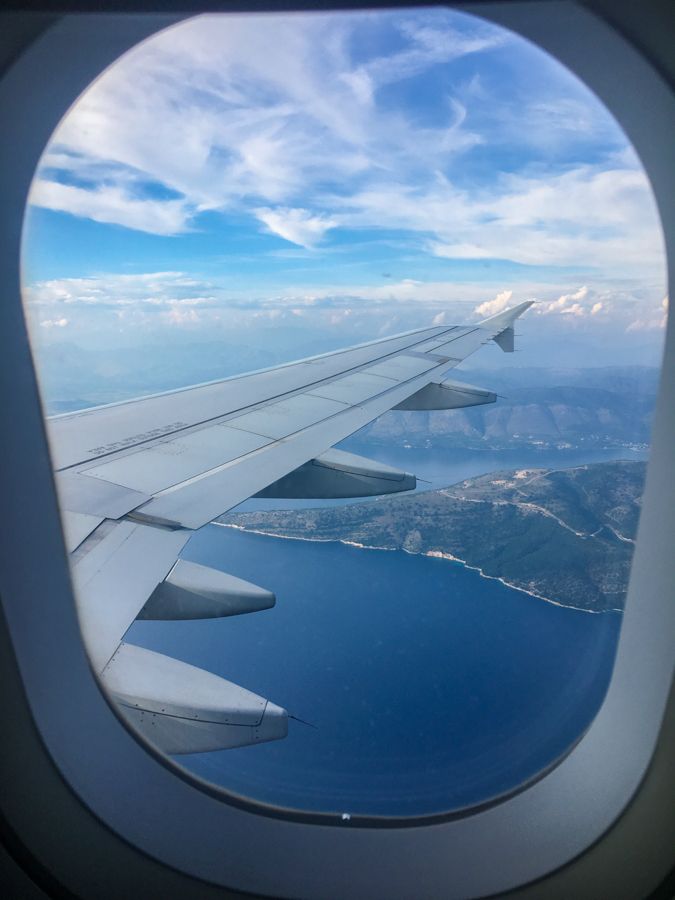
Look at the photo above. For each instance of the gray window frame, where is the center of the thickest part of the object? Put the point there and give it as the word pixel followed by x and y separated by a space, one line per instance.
pixel 126 784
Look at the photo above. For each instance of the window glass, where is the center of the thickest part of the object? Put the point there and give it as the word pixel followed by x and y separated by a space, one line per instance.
pixel 241 191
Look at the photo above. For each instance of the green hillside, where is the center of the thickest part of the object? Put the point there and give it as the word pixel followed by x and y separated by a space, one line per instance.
pixel 565 535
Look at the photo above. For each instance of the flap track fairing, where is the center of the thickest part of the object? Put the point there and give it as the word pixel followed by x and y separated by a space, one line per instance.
pixel 183 709
pixel 193 591
pixel 447 395
pixel 337 474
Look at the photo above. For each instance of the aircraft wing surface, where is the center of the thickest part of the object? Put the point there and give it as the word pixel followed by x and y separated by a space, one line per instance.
pixel 136 478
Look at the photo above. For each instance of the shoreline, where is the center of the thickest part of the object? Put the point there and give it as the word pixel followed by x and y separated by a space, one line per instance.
pixel 431 554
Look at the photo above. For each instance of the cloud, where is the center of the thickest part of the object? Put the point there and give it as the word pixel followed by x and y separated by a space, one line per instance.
pixel 586 216
pixel 576 309
pixel 149 290
pixel 654 320
pixel 245 112
pixel 179 315
pixel 113 206
pixel 597 308
pixel 298 226
pixel 427 44
pixel 279 120
pixel 459 251
pixel 567 304
pixel 170 308
pixel 492 307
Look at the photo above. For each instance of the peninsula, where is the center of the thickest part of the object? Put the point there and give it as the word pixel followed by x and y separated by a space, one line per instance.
pixel 566 536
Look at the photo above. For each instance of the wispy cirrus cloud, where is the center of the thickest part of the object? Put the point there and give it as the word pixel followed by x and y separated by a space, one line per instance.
pixel 418 135
pixel 114 206
pixel 278 118
pixel 253 108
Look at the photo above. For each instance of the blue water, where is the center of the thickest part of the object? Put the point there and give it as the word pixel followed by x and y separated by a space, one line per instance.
pixel 430 687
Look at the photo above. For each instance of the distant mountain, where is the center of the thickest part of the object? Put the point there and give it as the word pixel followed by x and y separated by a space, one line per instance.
pixel 549 408
pixel 589 407
pixel 564 535
pixel 73 377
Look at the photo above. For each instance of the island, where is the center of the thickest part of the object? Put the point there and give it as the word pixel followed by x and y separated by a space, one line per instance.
pixel 563 535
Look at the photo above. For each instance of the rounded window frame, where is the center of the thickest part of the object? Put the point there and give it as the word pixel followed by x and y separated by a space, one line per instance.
pixel 450 857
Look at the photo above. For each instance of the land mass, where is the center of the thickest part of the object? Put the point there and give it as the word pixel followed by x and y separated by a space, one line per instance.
pixel 563 535
pixel 583 408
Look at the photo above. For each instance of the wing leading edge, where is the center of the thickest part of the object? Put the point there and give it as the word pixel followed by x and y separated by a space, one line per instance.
pixel 136 478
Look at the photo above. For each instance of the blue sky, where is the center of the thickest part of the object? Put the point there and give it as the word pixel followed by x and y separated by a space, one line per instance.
pixel 339 177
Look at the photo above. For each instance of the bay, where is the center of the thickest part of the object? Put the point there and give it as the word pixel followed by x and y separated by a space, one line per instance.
pixel 428 687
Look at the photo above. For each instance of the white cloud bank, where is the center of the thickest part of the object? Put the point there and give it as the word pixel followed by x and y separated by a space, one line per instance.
pixel 492 307
pixel 653 320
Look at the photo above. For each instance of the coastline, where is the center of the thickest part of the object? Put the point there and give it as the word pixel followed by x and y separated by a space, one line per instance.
pixel 432 554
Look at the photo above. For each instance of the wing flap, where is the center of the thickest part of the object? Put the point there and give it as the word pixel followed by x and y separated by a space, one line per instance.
pixel 352 388
pixel 77 527
pixel 95 497
pixel 285 417
pixel 115 571
pixel 401 368
pixel 163 465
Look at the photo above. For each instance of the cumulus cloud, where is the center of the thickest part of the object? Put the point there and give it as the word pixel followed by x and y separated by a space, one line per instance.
pixel 179 315
pixel 654 319
pixel 492 307
pixel 54 323
pixel 566 304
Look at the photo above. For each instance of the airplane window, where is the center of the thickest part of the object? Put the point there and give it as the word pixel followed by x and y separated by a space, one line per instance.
pixel 266 591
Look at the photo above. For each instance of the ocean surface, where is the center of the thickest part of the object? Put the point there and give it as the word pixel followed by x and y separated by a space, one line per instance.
pixel 428 687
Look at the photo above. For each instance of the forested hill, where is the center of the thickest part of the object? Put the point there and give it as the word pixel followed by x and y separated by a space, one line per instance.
pixel 565 535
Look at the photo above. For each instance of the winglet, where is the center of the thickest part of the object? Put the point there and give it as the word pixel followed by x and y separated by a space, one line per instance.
pixel 506 318
pixel 500 326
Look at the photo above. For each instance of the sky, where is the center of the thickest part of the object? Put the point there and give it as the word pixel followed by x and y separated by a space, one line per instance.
pixel 288 184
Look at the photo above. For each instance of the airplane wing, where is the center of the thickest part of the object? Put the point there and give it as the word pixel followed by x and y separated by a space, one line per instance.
pixel 136 478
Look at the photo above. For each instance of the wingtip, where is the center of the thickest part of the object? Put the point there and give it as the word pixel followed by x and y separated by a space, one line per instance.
pixel 522 307
pixel 508 316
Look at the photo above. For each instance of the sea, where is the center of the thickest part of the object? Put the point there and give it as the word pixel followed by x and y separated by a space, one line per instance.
pixel 417 686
